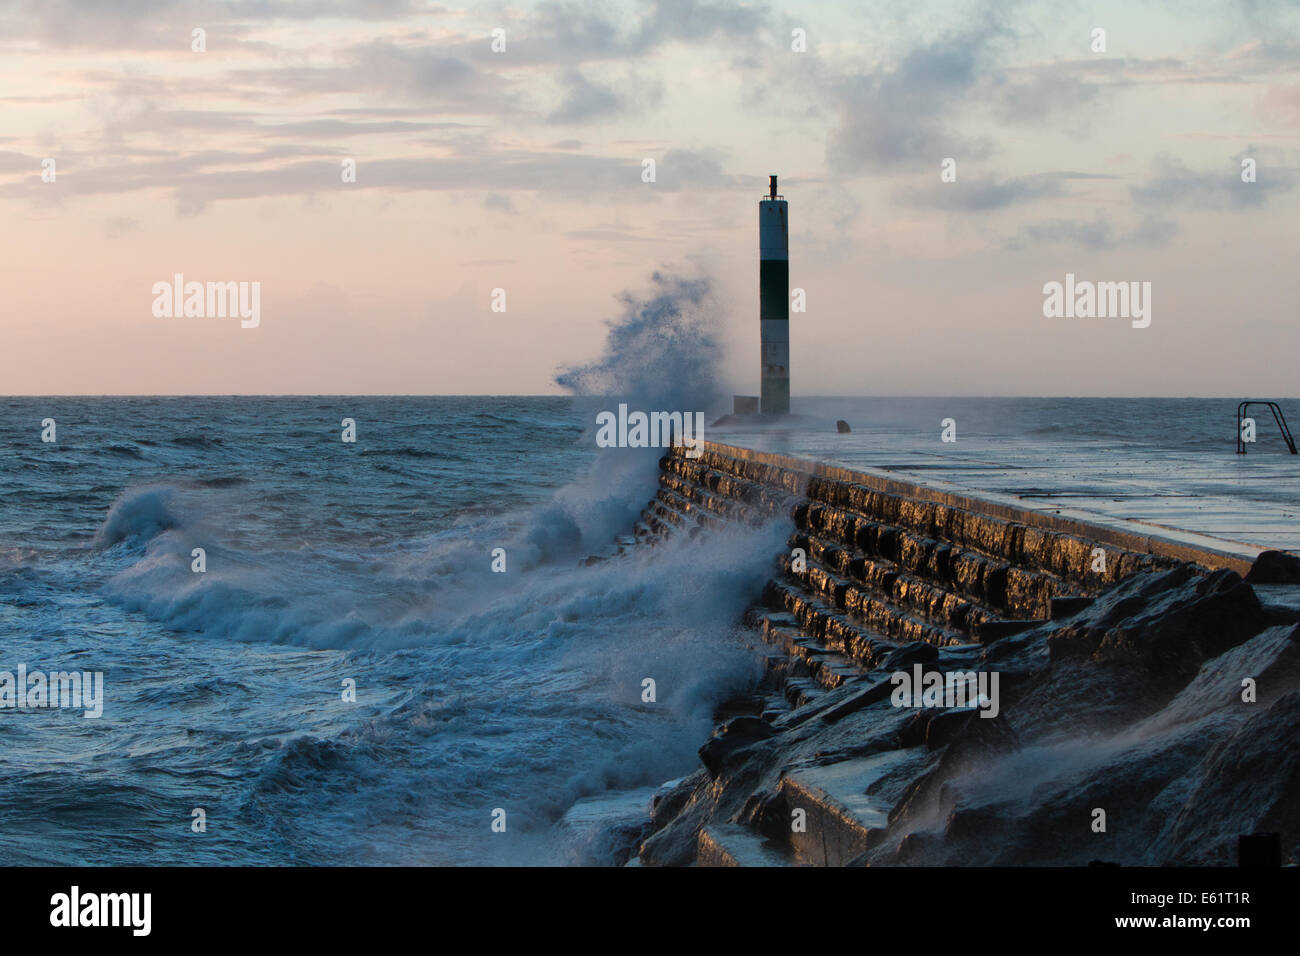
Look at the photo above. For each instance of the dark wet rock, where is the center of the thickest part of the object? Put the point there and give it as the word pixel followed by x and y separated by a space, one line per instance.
pixel 1096 712
pixel 1275 567
pixel 735 735
pixel 913 846
pixel 669 801
pixel 873 694
pixel 746 704
pixel 842 427
pixel 1060 608
pixel 945 725
pixel 1166 623
pixel 989 631
pixel 979 740
pixel 904 657
pixel 974 823
pixel 767 814
pixel 1251 779
pixel 825 758
pixel 914 732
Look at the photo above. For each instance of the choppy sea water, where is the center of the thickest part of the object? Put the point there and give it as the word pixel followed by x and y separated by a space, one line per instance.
pixel 371 562
pixel 327 562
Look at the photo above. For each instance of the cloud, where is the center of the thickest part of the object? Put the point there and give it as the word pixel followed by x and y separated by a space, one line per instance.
pixel 1031 95
pixel 119 226
pixel 497 202
pixel 585 100
pixel 570 33
pixel 1173 184
pixel 428 74
pixel 966 195
pixel 700 170
pixel 905 114
pixel 165 25
pixel 11 162
pixel 1099 234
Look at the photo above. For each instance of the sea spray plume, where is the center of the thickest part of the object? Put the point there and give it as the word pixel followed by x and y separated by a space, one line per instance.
pixel 661 354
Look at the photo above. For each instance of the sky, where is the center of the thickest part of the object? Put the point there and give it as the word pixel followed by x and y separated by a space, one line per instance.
pixel 521 169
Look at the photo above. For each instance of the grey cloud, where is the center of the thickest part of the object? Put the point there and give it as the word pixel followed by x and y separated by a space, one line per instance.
pixel 122 24
pixel 423 73
pixel 585 100
pixel 119 226
pixel 699 169
pixel 1099 234
pixel 573 175
pixel 316 129
pixel 328 9
pixel 967 195
pixel 11 162
pixel 904 114
pixel 166 24
pixel 577 32
pixel 1031 96
pixel 696 20
pixel 1173 184
pixel 197 180
pixel 971 194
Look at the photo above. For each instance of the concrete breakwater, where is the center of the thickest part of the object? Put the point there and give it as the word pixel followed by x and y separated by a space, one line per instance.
pixel 1149 688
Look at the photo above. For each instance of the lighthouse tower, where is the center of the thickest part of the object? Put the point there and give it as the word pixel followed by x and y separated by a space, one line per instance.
pixel 774 301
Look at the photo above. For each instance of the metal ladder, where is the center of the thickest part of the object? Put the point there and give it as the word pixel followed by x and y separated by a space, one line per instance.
pixel 1277 417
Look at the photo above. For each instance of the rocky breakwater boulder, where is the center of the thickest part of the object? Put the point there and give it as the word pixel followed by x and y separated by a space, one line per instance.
pixel 1153 727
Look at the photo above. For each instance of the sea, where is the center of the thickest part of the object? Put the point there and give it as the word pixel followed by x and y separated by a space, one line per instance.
pixel 391 650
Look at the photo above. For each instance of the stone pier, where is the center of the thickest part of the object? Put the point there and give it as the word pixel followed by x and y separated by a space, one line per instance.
pixel 881 574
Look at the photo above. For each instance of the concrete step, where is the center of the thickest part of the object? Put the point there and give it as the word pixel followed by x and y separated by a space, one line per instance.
pixel 775 706
pixel 857 632
pixel 670 515
pixel 918 586
pixel 759 499
pixel 697 499
pixel 920 599
pixel 801 691
pixel 1030 549
pixel 805 657
pixel 832 630
pixel 729 844
pixel 788 480
pixel 841 816
pixel 990 581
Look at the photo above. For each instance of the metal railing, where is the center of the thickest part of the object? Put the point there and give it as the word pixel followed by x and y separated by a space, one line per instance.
pixel 1277 417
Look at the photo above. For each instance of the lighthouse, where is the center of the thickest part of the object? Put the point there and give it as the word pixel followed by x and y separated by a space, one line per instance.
pixel 774 301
